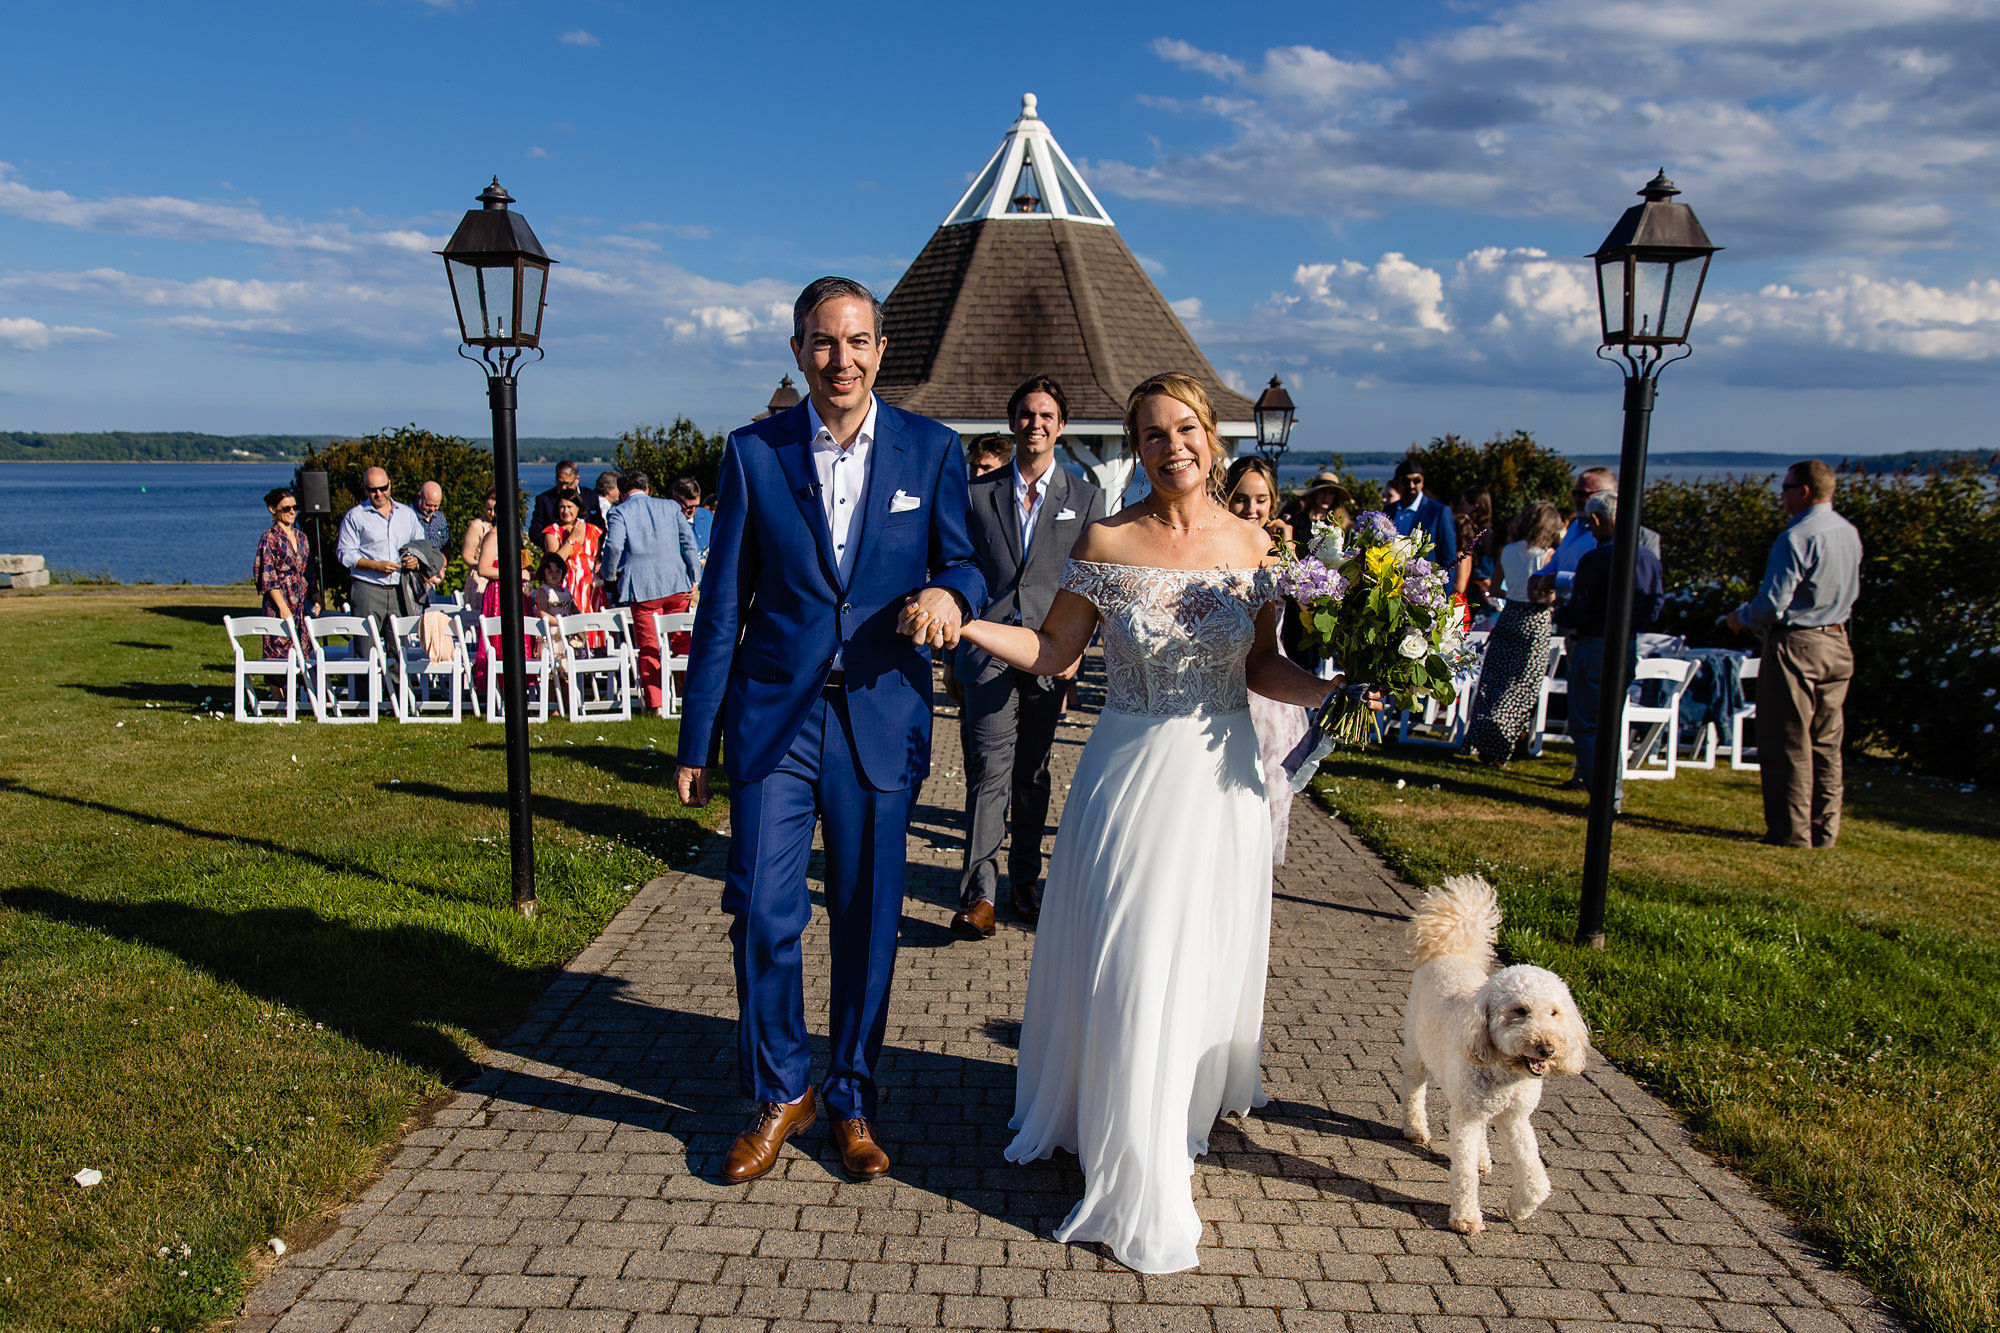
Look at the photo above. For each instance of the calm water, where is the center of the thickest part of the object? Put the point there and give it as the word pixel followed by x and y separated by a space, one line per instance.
pixel 152 522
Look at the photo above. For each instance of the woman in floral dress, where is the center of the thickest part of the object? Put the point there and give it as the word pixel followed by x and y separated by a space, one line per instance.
pixel 282 571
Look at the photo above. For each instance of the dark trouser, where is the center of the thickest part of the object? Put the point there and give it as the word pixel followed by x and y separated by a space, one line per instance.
pixel 1802 683
pixel 1586 690
pixel 649 641
pixel 1010 721
pixel 765 893
pixel 377 601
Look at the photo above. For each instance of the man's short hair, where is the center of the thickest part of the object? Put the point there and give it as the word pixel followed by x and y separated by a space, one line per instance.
pixel 566 468
pixel 821 290
pixel 606 481
pixel 1407 468
pixel 635 480
pixel 991 446
pixel 1605 503
pixel 686 488
pixel 1818 477
pixel 1038 384
pixel 1610 477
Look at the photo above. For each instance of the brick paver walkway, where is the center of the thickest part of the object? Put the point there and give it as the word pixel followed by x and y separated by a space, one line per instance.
pixel 573 1185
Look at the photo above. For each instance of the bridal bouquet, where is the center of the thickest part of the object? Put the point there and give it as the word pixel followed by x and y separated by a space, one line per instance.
pixel 1382 609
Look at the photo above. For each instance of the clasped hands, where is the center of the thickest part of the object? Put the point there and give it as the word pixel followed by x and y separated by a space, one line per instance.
pixel 932 618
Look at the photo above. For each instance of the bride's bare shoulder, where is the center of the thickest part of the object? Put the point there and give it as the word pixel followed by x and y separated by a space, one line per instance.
pixel 1108 540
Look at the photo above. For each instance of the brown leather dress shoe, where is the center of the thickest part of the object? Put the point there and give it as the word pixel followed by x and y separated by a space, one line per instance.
pixel 860 1155
pixel 756 1148
pixel 1027 903
pixel 975 922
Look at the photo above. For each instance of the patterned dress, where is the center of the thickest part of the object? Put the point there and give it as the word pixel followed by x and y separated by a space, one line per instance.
pixel 283 564
pixel 1510 678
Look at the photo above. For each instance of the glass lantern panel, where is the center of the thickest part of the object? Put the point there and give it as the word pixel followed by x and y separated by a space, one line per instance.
pixel 981 194
pixel 1073 193
pixel 468 292
pixel 1611 298
pixel 1682 289
pixel 534 284
pixel 1271 427
pixel 1649 296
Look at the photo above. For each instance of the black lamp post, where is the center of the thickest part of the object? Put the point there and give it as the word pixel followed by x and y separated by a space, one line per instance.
pixel 499 281
pixel 1275 414
pixel 1649 275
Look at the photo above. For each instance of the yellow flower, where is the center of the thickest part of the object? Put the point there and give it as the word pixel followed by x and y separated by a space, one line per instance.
pixel 1386 569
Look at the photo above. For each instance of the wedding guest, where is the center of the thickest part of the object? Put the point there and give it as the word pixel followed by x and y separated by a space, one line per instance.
pixel 987 453
pixel 1578 539
pixel 1472 572
pixel 1583 616
pixel 577 540
pixel 476 533
pixel 567 478
pixel 283 571
pixel 437 528
pixel 372 538
pixel 1810 584
pixel 650 550
pixel 1414 511
pixel 1517 652
pixel 609 491
pixel 686 492
pixel 1324 500
pixel 1250 489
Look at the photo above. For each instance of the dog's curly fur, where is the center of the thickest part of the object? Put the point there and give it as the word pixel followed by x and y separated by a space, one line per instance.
pixel 1486 1041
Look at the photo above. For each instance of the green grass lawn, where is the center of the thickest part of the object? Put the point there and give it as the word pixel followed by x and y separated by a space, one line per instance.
pixel 1826 1020
pixel 235 959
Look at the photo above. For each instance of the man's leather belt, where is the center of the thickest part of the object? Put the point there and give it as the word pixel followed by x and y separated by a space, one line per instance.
pixel 836 680
pixel 1809 629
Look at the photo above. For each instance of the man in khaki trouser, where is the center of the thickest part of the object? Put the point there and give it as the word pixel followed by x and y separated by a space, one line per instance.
pixel 1810 583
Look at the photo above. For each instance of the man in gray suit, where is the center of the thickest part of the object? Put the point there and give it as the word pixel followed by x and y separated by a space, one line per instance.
pixel 649 549
pixel 1024 519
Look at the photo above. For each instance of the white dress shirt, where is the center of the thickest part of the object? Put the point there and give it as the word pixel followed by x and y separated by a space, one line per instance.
pixel 843 484
pixel 1027 517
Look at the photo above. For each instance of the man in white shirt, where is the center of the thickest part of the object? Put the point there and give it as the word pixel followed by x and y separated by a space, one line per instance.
pixel 372 537
pixel 1023 518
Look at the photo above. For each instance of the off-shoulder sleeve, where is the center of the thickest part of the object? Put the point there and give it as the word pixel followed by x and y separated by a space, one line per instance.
pixel 1086 579
pixel 1265 586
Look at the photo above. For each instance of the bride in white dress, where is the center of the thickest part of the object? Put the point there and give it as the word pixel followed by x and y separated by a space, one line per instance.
pixel 1146 996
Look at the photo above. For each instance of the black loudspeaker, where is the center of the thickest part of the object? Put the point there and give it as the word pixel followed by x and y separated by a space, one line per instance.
pixel 314 501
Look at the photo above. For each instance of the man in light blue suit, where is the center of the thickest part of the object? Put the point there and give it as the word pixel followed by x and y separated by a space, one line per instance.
pixel 650 554
pixel 834 520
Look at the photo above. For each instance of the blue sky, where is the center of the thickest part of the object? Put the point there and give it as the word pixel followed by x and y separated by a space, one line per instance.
pixel 220 217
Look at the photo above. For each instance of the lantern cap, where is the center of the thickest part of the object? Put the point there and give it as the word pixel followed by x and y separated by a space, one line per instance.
pixel 493 232
pixel 1658 225
pixel 1274 398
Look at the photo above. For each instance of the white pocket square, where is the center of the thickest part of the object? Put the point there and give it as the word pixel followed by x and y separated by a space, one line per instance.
pixel 899 503
pixel 1067 513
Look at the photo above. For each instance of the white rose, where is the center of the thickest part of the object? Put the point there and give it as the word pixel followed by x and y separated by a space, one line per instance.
pixel 1414 644
pixel 1328 543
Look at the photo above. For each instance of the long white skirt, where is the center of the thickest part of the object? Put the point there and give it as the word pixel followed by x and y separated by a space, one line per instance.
pixel 1145 1002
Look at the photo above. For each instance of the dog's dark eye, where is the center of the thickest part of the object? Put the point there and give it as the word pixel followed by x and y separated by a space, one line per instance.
pixel 1520 1011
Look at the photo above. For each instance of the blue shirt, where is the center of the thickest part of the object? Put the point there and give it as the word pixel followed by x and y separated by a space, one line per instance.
pixel 1813 574
pixel 437 531
pixel 1590 597
pixel 366 534
pixel 704 523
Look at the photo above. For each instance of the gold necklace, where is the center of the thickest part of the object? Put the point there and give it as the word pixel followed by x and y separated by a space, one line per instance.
pixel 1177 527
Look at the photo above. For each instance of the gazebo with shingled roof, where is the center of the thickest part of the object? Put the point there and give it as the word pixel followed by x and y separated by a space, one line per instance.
pixel 1028 275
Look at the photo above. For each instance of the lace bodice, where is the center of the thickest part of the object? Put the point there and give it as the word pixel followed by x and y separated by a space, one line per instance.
pixel 1175 640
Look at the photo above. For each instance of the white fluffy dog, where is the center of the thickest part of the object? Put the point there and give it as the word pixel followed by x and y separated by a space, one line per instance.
pixel 1485 1041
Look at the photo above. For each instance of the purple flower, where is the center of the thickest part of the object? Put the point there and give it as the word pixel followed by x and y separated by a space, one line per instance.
pixel 1377 522
pixel 1309 580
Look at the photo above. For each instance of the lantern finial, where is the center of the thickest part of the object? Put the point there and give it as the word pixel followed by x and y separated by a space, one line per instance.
pixel 495 195
pixel 1659 189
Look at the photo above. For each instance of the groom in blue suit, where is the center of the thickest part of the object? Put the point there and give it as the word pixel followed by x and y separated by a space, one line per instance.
pixel 831 519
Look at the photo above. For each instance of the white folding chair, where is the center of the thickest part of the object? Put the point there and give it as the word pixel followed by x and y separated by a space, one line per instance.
pixel 1455 718
pixel 1736 721
pixel 427 689
pixel 539 679
pixel 345 649
pixel 289 668
pixel 1554 682
pixel 681 622
pixel 606 661
pixel 1660 744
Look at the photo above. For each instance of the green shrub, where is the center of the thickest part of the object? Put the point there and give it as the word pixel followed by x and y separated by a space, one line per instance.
pixel 1513 468
pixel 665 453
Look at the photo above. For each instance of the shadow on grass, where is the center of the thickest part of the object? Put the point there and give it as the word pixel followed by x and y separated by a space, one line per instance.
pixel 392 988
pixel 174 693
pixel 333 865
pixel 672 837
pixel 200 615
pixel 150 647
pixel 1451 784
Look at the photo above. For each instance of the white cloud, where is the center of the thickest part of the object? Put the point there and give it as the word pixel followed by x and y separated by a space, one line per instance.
pixel 1188 308
pixel 536 152
pixel 31 335
pixel 578 37
pixel 176 219
pixel 1865 314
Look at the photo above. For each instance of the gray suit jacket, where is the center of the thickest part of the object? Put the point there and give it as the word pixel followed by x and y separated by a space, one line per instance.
pixel 1022 584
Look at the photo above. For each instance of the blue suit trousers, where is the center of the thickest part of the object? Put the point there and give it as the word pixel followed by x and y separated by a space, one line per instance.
pixel 866 834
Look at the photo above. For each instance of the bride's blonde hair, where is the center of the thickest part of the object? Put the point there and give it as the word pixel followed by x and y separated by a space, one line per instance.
pixel 1186 389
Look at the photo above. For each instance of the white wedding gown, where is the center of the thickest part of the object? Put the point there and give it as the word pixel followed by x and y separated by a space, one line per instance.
pixel 1145 1005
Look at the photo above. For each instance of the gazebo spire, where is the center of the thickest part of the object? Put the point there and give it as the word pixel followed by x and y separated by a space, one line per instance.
pixel 1028 176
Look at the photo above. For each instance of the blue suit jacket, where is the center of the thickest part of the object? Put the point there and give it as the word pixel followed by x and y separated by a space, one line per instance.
pixel 1434 517
pixel 649 547
pixel 773 611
